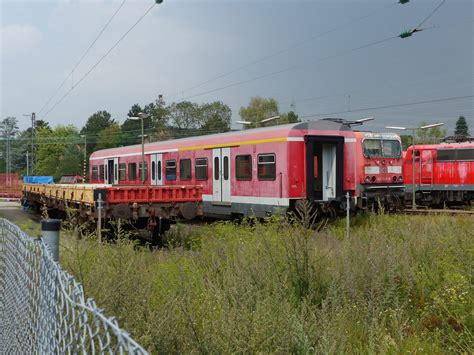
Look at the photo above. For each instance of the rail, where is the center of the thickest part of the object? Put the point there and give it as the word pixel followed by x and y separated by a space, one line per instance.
pixel 43 309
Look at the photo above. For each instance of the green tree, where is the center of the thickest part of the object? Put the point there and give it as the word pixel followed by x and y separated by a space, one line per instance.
pixel 258 110
pixel 289 117
pixel 96 123
pixel 131 128
pixel 109 137
pixel 430 135
pixel 216 117
pixel 8 133
pixel 185 115
pixel 462 129
pixel 59 151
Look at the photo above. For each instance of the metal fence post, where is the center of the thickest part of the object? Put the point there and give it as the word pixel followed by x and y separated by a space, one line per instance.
pixel 348 213
pixel 50 232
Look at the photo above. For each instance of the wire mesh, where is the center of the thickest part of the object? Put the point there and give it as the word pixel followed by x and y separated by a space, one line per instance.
pixel 43 308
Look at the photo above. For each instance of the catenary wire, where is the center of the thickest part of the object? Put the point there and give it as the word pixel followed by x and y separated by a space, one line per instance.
pixel 281 51
pixel 101 59
pixel 82 57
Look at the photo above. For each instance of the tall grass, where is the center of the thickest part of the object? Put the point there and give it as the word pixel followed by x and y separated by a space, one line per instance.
pixel 398 284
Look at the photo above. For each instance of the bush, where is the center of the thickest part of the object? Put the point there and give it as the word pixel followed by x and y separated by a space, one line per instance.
pixel 397 284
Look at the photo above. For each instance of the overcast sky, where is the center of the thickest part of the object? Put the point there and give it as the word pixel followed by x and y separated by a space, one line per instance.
pixel 182 43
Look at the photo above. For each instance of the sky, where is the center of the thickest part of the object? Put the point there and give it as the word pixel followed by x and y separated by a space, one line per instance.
pixel 322 58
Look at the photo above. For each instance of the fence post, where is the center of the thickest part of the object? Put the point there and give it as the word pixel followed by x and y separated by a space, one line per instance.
pixel 348 213
pixel 50 232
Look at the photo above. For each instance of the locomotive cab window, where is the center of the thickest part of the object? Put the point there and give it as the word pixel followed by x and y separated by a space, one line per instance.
pixel 243 167
pixel 266 167
pixel 455 154
pixel 377 148
pixel 132 171
pixel 200 169
pixel 171 170
pixel 185 169
pixel 95 172
pixel 122 172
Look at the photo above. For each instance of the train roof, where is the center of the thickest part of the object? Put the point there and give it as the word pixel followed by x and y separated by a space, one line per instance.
pixel 329 126
pixel 444 145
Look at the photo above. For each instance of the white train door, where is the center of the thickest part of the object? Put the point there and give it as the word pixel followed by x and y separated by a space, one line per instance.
pixel 221 175
pixel 156 171
pixel 329 171
pixel 111 171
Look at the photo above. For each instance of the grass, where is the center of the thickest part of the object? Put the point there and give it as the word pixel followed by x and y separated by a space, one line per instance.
pixel 398 284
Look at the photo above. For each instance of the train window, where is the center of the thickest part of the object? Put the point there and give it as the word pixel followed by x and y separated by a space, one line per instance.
pixel 446 155
pixel 185 169
pixel 266 167
pixel 226 168
pixel 200 168
pixel 140 171
pixel 153 170
pixel 171 170
pixel 132 171
pixel 216 168
pixel 243 167
pixel 95 172
pixel 466 154
pixel 391 148
pixel 101 172
pixel 159 170
pixel 372 148
pixel 122 172
pixel 376 148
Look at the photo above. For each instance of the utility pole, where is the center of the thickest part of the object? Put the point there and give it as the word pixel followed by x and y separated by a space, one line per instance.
pixel 85 156
pixel 27 164
pixel 33 133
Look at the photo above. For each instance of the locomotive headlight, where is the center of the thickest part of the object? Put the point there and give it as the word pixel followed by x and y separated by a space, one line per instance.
pixel 373 179
pixel 367 179
pixel 394 179
pixel 400 178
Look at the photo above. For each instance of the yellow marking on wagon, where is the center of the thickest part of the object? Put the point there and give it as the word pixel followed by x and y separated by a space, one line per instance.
pixel 236 144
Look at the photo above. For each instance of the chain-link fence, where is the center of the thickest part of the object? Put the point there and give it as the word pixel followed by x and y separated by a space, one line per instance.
pixel 44 310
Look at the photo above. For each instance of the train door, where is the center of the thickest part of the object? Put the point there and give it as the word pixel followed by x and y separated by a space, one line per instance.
pixel 221 175
pixel 111 171
pixel 426 167
pixel 324 167
pixel 156 171
pixel 329 171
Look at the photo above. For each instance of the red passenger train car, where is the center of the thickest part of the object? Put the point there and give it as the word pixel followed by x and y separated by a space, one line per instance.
pixel 259 171
pixel 444 174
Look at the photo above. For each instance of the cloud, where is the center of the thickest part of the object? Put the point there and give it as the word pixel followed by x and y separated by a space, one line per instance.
pixel 18 39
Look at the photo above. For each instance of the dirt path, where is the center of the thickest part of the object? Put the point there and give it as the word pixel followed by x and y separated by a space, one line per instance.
pixel 27 220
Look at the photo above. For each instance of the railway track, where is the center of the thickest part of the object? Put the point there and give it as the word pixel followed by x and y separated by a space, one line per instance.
pixel 438 212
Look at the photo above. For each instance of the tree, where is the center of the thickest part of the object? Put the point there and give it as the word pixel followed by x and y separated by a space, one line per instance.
pixel 131 128
pixel 96 123
pixel 289 117
pixel 109 137
pixel 216 117
pixel 462 129
pixel 59 151
pixel 185 115
pixel 258 110
pixel 430 135
pixel 8 132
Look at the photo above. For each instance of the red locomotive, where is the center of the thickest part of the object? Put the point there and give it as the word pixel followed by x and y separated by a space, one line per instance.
pixel 259 171
pixel 444 174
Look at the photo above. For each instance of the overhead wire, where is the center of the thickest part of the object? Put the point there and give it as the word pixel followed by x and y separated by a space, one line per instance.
pixel 83 56
pixel 389 106
pixel 289 68
pixel 101 58
pixel 281 51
